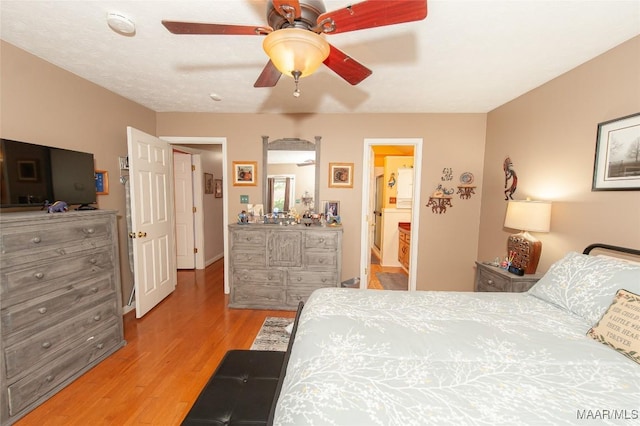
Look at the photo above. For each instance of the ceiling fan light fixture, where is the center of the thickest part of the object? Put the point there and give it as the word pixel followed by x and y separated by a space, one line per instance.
pixel 295 49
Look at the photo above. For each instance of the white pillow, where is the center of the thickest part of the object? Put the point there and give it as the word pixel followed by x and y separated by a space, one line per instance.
pixel 585 285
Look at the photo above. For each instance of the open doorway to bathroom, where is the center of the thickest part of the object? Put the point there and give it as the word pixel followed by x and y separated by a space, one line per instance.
pixel 390 201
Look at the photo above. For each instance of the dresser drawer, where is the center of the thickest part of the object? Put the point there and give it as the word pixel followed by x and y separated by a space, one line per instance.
pixel 321 240
pixel 44 310
pixel 39 347
pixel 247 257
pixel 52 235
pixel 21 283
pixel 248 238
pixel 313 279
pixel 34 386
pixel 321 259
pixel 258 295
pixel 258 276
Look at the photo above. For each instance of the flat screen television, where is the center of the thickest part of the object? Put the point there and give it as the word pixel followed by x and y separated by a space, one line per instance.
pixel 32 174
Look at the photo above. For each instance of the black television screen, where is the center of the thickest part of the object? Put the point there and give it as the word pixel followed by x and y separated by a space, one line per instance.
pixel 31 174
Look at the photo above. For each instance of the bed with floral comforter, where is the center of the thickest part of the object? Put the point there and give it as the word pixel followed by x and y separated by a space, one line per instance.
pixel 371 357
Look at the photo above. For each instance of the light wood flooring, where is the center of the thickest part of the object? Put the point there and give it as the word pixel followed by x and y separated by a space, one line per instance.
pixel 170 354
pixel 374 282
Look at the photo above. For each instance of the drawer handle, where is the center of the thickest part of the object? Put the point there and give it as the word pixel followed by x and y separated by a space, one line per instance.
pixel 269 277
pixel 42 310
pixel 89 230
pixel 322 240
pixel 93 261
pixel 39 275
pixel 49 378
pixel 490 282
pixel 46 345
pixel 97 317
pixel 100 345
pixel 324 280
pixel 320 260
pixel 36 240
pixel 94 289
pixel 299 279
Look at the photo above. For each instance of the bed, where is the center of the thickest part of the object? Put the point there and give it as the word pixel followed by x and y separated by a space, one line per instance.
pixel 372 357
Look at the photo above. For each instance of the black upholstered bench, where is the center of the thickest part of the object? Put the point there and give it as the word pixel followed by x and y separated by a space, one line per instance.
pixel 244 388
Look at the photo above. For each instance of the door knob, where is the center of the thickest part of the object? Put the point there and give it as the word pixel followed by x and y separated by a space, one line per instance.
pixel 141 234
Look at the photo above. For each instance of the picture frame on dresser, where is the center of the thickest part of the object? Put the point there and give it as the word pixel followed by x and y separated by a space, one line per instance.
pixel 617 160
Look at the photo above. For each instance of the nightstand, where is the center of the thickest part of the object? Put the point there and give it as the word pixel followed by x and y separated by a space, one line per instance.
pixel 492 278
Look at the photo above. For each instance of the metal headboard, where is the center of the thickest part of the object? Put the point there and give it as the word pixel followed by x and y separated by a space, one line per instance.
pixel 612 248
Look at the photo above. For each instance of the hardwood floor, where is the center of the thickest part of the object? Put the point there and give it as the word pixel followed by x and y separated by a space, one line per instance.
pixel 170 354
pixel 374 282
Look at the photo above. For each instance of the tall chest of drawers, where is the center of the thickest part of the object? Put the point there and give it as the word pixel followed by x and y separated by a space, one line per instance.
pixel 60 302
pixel 275 267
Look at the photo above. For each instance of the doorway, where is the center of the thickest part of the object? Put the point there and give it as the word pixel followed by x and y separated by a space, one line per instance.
pixel 369 183
pixel 192 145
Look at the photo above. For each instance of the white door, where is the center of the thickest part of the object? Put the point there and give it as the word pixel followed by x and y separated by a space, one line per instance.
pixel 184 209
pixel 152 219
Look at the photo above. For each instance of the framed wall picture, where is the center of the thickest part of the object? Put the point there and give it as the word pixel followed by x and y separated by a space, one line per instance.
pixel 102 182
pixel 217 188
pixel 617 162
pixel 28 170
pixel 208 183
pixel 245 173
pixel 340 175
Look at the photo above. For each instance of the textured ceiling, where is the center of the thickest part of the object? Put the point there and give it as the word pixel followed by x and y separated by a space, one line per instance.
pixel 466 56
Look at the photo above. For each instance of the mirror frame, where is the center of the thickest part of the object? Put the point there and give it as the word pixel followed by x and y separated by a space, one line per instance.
pixel 290 144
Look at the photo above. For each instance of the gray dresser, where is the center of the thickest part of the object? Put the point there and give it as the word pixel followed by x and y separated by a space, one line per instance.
pixel 276 266
pixel 60 303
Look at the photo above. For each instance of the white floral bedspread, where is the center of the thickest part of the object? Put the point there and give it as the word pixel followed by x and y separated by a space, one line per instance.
pixel 442 358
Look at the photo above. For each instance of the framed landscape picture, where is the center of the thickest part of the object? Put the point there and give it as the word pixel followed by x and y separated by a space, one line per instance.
pixel 617 162
pixel 245 173
pixel 340 175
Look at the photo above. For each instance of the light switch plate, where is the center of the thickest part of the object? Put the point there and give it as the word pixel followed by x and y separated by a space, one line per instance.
pixel 244 199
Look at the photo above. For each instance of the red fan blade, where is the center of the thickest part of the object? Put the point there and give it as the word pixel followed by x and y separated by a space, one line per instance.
pixel 290 9
pixel 269 76
pixel 346 67
pixel 214 29
pixel 372 13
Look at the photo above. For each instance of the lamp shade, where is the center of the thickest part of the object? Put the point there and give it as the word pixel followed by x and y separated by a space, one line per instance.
pixel 295 49
pixel 532 216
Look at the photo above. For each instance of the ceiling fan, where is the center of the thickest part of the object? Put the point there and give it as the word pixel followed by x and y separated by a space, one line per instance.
pixel 293 37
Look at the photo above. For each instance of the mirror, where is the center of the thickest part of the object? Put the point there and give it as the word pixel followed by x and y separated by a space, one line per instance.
pixel 290 174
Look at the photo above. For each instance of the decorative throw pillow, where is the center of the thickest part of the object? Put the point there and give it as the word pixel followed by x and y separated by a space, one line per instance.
pixel 619 327
pixel 585 284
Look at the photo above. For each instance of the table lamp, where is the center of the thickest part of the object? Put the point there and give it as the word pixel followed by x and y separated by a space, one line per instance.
pixel 527 216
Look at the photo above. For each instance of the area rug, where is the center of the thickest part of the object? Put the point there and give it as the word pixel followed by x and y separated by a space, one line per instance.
pixel 393 281
pixel 273 335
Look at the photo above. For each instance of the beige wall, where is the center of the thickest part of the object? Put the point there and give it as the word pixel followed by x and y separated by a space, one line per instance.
pixel 43 104
pixel 447 243
pixel 550 135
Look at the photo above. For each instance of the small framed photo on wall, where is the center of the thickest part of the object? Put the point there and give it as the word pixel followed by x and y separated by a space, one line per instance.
pixel 102 182
pixel 245 173
pixel 208 183
pixel 617 163
pixel 217 190
pixel 340 175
